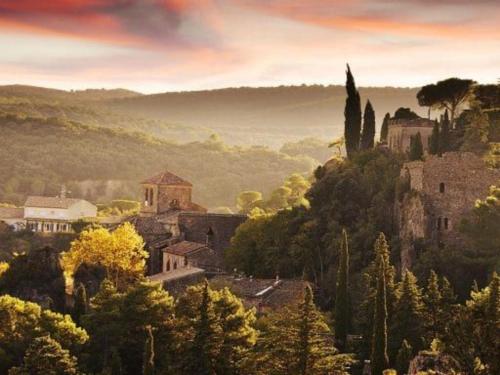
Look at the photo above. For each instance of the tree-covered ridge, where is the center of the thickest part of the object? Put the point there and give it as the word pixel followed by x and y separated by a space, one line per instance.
pixel 39 155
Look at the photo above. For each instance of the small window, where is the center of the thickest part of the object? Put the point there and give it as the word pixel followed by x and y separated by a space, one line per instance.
pixel 445 223
pixel 185 262
pixel 439 223
pixel 441 187
pixel 175 265
pixel 167 267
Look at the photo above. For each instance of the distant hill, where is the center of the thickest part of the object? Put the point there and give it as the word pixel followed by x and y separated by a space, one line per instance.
pixel 269 116
pixel 38 155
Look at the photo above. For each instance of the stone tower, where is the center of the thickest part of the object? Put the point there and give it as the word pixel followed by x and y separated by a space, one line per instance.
pixel 401 130
pixel 443 190
pixel 165 192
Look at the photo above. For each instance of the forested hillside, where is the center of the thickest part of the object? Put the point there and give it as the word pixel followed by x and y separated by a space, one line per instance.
pixel 261 115
pixel 241 116
pixel 98 163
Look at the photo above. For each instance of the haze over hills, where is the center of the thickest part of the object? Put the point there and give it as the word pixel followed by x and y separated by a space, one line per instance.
pixel 267 116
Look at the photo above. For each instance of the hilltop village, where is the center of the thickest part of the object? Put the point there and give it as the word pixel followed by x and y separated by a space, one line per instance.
pixel 383 260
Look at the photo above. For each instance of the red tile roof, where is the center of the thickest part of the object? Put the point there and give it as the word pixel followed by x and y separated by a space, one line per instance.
pixel 166 178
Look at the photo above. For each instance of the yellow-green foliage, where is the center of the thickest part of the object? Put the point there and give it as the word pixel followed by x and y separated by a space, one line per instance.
pixel 4 266
pixel 120 252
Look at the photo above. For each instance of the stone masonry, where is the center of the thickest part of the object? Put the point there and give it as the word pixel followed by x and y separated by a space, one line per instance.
pixel 400 131
pixel 443 190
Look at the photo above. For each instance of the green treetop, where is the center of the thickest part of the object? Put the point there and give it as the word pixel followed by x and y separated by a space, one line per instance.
pixel 368 134
pixel 352 113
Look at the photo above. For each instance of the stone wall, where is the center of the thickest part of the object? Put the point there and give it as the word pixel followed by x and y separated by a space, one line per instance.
pixel 400 131
pixel 444 190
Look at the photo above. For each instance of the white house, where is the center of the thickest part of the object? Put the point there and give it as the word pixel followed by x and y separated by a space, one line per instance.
pixel 55 214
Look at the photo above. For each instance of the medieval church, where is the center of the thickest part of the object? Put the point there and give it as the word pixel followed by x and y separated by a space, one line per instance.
pixel 180 234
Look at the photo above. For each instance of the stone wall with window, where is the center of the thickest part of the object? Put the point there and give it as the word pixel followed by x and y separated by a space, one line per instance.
pixel 446 188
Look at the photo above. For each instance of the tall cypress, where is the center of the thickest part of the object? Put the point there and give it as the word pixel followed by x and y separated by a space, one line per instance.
pixel 148 362
pixel 304 344
pixel 384 131
pixel 342 303
pixel 434 142
pixel 444 139
pixel 416 147
pixel 352 114
pixel 368 134
pixel 379 357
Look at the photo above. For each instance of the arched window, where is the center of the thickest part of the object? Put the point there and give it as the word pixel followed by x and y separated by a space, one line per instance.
pixel 441 187
pixel 185 262
pixel 439 223
pixel 445 223
pixel 167 268
pixel 175 265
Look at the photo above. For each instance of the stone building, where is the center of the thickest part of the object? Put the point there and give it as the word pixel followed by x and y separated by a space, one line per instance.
pixel 401 130
pixel 442 191
pixel 169 219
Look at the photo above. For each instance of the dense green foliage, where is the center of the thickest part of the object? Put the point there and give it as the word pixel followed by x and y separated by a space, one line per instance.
pixel 46 356
pixel 416 147
pixel 342 302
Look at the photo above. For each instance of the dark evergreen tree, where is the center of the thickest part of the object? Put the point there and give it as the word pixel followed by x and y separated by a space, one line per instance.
pixel 408 315
pixel 433 308
pixel 492 333
pixel 46 356
pixel 200 361
pixel 384 130
pixel 444 139
pixel 416 147
pixel 342 300
pixel 405 355
pixel 148 362
pixel 379 357
pixel 352 113
pixel 80 307
pixel 434 141
pixel 368 134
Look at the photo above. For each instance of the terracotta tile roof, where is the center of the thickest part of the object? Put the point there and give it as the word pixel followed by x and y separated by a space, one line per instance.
pixel 184 248
pixel 11 212
pixel 166 178
pixel 50 202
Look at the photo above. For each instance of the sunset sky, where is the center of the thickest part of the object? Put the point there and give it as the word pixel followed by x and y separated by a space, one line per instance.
pixel 165 45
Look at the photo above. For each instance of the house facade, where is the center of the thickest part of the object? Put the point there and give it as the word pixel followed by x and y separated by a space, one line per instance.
pixel 55 214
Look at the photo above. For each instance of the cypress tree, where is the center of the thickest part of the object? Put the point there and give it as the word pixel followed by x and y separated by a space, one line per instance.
pixel 352 114
pixel 384 131
pixel 416 147
pixel 80 307
pixel 444 139
pixel 493 324
pixel 342 303
pixel 368 134
pixel 148 364
pixel 434 142
pixel 379 358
